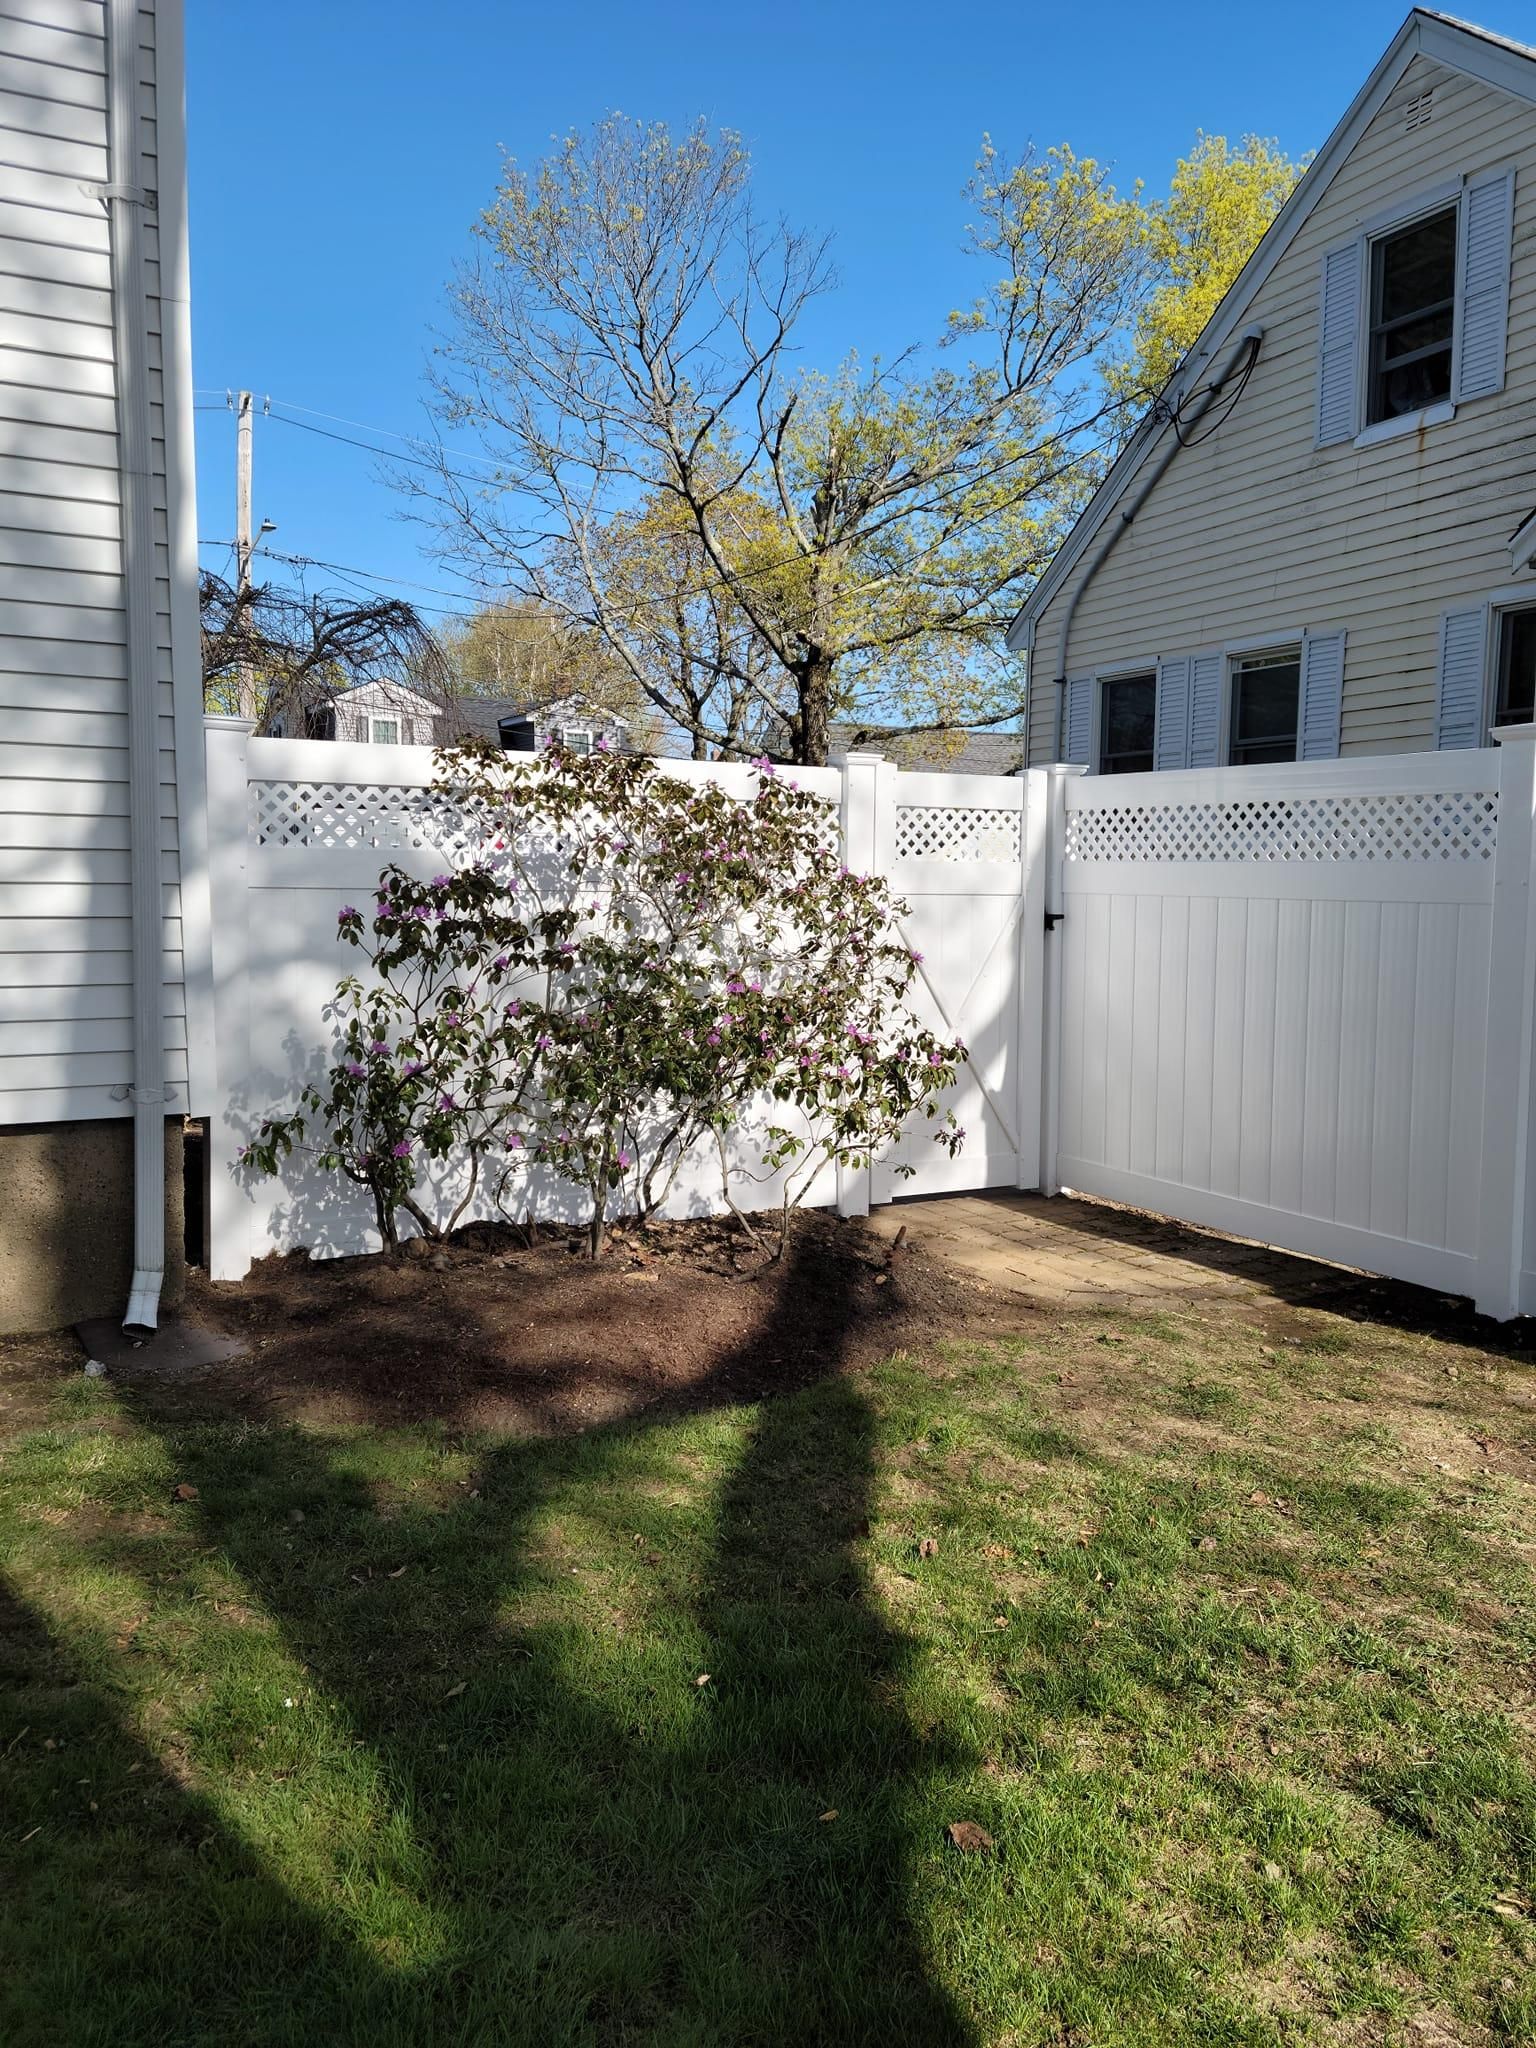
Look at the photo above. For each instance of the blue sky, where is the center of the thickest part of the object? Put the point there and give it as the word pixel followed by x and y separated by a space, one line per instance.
pixel 340 150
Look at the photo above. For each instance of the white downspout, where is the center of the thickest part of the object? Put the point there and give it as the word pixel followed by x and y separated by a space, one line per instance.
pixel 128 204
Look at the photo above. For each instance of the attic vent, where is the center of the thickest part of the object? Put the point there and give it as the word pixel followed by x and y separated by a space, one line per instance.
pixel 1418 110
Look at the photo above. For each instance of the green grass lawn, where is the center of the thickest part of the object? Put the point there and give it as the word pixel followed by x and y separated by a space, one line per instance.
pixel 404 1736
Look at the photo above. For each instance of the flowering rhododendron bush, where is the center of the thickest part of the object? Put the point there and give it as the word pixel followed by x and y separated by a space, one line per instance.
pixel 628 970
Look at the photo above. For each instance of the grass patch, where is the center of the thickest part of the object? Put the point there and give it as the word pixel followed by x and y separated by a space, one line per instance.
pixel 651 1735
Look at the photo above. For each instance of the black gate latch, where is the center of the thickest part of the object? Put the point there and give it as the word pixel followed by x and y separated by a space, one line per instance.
pixel 1053 918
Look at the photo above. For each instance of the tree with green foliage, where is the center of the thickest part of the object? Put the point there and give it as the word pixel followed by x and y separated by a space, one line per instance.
pixel 1219 204
pixel 843 545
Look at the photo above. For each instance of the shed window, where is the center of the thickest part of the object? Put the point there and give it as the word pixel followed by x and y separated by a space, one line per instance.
pixel 1266 706
pixel 578 738
pixel 1413 315
pixel 386 732
pixel 1127 722
pixel 1515 700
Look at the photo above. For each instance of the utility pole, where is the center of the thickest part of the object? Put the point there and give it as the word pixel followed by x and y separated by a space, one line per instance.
pixel 244 547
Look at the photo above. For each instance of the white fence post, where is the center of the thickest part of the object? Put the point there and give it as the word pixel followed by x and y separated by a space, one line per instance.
pixel 1503 1203
pixel 1052 856
pixel 229 1208
pixel 1034 841
pixel 869 848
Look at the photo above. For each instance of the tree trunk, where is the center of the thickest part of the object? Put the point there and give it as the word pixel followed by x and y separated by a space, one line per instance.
pixel 815 693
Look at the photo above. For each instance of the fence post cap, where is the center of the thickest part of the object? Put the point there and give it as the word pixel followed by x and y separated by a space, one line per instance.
pixel 216 721
pixel 1510 735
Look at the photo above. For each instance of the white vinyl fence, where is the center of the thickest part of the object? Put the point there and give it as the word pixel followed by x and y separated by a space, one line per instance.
pixel 1291 1002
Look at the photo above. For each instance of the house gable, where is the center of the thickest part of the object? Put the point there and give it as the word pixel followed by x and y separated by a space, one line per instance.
pixel 1257 532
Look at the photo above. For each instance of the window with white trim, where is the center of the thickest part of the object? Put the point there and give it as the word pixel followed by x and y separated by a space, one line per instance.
pixel 578 738
pixel 1514 679
pixel 386 732
pixel 1413 317
pixel 1265 707
pixel 1127 724
pixel 1414 310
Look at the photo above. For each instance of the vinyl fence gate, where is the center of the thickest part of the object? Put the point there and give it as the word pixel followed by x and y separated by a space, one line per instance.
pixel 1292 1002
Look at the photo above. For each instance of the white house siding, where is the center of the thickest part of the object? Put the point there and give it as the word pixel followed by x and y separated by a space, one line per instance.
pixel 1257 531
pixel 65 961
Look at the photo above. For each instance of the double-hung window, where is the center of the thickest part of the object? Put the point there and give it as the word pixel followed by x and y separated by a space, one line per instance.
pixel 1414 311
pixel 1127 724
pixel 386 732
pixel 1514 700
pixel 1266 707
pixel 578 738
pixel 1413 317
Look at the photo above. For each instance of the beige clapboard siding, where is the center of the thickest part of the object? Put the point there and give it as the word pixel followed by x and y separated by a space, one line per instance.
pixel 1257 531
pixel 65 899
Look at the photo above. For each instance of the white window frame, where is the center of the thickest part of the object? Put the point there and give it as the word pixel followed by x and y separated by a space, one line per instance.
pixel 391 739
pixel 1443 197
pixel 1099 677
pixel 1235 651
pixel 1134 671
pixel 570 734
pixel 1447 197
pixel 1499 603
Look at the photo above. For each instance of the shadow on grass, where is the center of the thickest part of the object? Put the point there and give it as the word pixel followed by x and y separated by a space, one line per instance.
pixel 502 1809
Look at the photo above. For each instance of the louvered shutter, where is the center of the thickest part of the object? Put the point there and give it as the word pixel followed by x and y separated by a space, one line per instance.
pixel 1079 720
pixel 1322 695
pixel 1204 710
pixel 1487 219
pixel 1170 746
pixel 1459 714
pixel 1338 371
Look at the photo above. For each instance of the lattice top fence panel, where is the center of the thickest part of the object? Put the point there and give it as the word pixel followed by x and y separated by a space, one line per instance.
pixel 1458 826
pixel 358 817
pixel 942 832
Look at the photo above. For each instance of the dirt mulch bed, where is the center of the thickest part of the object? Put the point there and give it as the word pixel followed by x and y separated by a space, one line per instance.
pixel 491 1333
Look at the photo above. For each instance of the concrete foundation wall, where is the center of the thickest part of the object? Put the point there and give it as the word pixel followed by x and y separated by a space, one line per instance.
pixel 66 1221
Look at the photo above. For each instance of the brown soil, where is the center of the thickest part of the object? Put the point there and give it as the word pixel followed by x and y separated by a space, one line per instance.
pixel 490 1332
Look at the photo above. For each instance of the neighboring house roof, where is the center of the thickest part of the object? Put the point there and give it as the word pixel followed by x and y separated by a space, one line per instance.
pixel 401 694
pixel 482 717
pixel 1457 45
pixel 977 753
pixel 315 695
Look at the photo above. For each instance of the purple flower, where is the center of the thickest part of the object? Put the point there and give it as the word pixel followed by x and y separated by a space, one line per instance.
pixel 514 1008
pixel 347 910
pixel 453 1018
pixel 603 746
pixel 413 1067
pixel 357 1070
pixel 441 881
pixel 624 1159
pixel 379 1045
pixel 566 948
pixel 500 963
pixel 420 910
pixel 713 1038
pixel 514 1143
pixel 763 765
pixel 935 1059
pixel 446 1102
pixel 916 959
pixel 543 1041
pixel 402 1150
